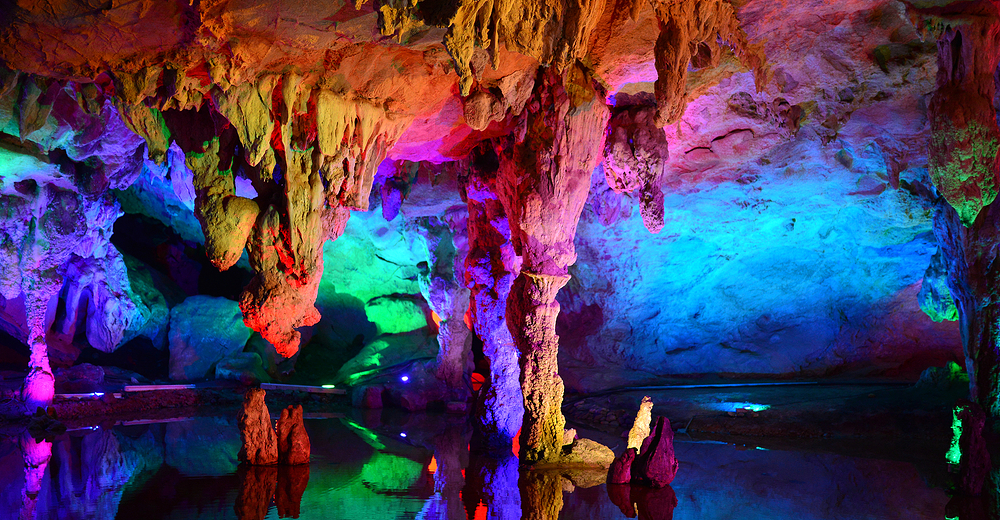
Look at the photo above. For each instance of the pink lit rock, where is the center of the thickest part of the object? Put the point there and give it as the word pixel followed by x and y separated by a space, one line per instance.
pixel 620 471
pixel 656 464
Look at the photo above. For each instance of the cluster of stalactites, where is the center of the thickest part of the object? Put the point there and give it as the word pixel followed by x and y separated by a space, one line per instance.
pixel 311 153
pixel 553 32
pixel 635 158
pixel 692 32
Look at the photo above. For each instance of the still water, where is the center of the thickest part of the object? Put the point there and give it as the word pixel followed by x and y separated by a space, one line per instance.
pixel 368 467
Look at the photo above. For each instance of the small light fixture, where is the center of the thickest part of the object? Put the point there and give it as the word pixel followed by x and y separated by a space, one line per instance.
pixel 329 386
pixel 402 434
pixel 404 378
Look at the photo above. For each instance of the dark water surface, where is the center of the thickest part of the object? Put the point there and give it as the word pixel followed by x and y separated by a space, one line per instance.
pixel 419 467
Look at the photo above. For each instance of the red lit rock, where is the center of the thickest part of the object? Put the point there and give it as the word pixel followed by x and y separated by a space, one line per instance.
pixel 260 444
pixel 293 440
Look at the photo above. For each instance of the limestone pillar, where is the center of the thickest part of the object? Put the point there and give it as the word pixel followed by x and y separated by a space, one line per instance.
pixel 543 179
pixel 963 166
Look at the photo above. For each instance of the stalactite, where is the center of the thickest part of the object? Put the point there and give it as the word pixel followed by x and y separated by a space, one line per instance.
pixel 635 158
pixel 324 148
pixel 691 29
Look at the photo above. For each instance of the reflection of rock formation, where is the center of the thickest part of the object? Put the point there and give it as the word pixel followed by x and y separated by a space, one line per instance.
pixel 646 503
pixel 491 483
pixel 36 457
pixel 257 487
pixel 292 483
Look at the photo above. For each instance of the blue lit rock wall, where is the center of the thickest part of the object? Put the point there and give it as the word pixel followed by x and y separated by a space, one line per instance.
pixel 805 258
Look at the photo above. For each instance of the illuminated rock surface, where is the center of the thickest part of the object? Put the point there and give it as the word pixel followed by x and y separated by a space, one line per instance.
pixel 545 197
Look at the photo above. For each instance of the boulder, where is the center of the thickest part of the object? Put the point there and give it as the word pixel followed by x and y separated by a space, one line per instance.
pixel 656 464
pixel 260 444
pixel 80 379
pixel 204 330
pixel 397 313
pixel 369 397
pixel 586 452
pixel 293 441
pixel 620 471
pixel 245 367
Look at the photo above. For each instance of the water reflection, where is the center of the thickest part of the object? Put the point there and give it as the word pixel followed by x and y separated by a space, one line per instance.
pixel 374 467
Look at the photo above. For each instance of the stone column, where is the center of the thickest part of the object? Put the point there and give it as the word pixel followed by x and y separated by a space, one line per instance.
pixel 39 384
pixel 963 166
pixel 543 179
pixel 490 268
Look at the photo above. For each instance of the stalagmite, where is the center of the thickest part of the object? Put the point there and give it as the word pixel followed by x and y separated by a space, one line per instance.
pixel 640 428
pixel 489 272
pixel 260 443
pixel 39 384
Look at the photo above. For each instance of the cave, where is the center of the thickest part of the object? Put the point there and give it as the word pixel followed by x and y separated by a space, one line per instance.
pixel 466 259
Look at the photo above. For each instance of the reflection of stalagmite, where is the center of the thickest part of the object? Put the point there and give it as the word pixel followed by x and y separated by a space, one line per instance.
pixel 36 459
pixel 542 495
pixel 492 484
pixel 257 487
pixel 292 483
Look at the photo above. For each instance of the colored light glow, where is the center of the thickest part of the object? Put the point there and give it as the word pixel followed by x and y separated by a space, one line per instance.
pixel 737 407
pixel 404 378
pixel 432 466
pixel 329 386
pixel 436 319
pixel 402 434
pixel 954 455
pixel 478 380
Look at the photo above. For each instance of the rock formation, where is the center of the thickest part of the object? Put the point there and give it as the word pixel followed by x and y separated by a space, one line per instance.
pixel 260 444
pixel 963 163
pixel 620 471
pixel 643 420
pixel 293 440
pixel 656 465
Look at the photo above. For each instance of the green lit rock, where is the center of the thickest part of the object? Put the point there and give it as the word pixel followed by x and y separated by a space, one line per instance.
pixel 935 298
pixel 397 313
pixel 962 166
